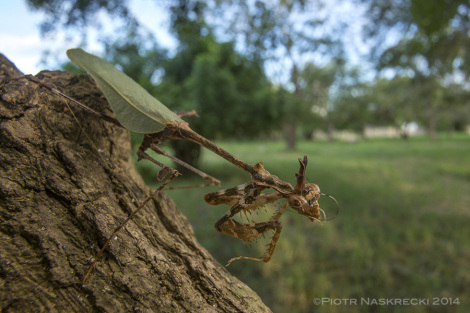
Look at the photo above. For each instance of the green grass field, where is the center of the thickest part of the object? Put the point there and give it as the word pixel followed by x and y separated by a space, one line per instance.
pixel 403 231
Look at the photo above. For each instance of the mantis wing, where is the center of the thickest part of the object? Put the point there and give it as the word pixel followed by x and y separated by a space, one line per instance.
pixel 135 108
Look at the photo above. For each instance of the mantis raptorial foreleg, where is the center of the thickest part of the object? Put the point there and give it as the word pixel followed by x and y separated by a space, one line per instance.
pixel 221 224
pixel 244 198
pixel 247 197
pixel 252 231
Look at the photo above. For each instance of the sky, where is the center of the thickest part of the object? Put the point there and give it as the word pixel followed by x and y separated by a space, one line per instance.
pixel 19 36
pixel 21 41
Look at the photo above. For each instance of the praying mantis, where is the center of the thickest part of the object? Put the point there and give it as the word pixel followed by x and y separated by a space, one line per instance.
pixel 138 111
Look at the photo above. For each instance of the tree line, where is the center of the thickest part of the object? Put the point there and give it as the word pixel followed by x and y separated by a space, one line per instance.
pixel 251 68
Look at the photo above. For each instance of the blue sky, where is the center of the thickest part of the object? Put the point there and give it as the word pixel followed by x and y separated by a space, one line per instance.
pixel 19 35
pixel 21 42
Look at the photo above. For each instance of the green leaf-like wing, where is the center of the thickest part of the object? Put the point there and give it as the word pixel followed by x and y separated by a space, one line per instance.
pixel 134 107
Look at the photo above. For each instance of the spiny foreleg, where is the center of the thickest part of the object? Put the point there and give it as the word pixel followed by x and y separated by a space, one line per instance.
pixel 241 204
pixel 229 196
pixel 252 231
pixel 246 232
pixel 234 195
pixel 257 229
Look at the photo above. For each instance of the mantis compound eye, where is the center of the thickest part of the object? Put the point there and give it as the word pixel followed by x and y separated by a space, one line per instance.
pixel 311 193
pixel 305 207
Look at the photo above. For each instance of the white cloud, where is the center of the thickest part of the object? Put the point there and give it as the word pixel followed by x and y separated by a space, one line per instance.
pixel 24 51
pixel 19 36
pixel 21 42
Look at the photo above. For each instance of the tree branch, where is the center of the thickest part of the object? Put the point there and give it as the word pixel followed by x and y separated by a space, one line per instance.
pixel 62 193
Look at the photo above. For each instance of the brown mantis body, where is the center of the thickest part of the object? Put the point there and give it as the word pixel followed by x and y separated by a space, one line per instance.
pixel 247 197
pixel 244 198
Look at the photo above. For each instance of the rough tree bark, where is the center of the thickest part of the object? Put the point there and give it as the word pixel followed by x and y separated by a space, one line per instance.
pixel 61 195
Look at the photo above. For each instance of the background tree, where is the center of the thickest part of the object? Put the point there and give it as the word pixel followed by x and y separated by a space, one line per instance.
pixel 386 102
pixel 229 91
pixel 433 40
pixel 280 35
pixel 313 94
pixel 425 40
pixel 347 109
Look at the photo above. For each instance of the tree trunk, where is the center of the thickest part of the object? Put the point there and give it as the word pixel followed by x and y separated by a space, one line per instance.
pixel 290 135
pixel 330 130
pixel 431 118
pixel 64 188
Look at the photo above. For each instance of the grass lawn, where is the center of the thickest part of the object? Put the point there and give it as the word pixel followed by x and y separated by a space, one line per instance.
pixel 403 231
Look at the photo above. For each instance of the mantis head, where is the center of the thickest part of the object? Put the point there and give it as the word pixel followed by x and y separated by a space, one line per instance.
pixel 304 197
pixel 306 203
